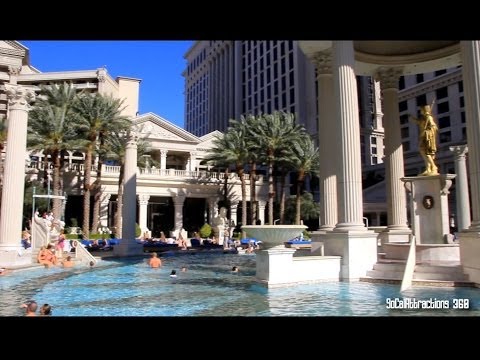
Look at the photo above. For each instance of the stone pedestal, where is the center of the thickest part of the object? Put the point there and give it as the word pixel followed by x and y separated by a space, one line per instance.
pixel 429 207
pixel 274 266
pixel 358 250
pixel 469 254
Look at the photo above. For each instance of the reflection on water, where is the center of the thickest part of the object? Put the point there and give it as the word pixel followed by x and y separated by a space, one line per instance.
pixel 207 288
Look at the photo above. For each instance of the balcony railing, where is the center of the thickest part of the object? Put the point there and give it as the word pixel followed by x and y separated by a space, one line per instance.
pixel 147 173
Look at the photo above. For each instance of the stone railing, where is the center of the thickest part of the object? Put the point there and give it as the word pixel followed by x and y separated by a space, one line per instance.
pixel 147 173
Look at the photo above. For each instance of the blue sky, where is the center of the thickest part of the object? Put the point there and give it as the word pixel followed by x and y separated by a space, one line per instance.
pixel 158 63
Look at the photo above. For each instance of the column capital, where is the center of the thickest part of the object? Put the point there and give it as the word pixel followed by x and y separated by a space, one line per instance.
pixel 323 62
pixel 262 203
pixel 178 199
pixel 143 199
pixel 19 97
pixel 459 151
pixel 163 152
pixel 132 138
pixel 193 153
pixel 388 77
pixel 14 70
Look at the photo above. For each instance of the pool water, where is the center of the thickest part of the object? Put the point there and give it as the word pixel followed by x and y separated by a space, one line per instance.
pixel 208 288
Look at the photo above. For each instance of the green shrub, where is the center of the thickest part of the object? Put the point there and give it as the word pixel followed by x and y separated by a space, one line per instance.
pixel 73 236
pixel 205 231
pixel 306 234
pixel 73 222
pixel 138 230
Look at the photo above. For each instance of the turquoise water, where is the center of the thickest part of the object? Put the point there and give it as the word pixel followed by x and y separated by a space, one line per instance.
pixel 209 288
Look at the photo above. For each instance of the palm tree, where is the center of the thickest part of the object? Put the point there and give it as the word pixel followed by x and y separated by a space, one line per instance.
pixel 52 128
pixel 272 140
pixel 115 146
pixel 251 121
pixel 305 160
pixel 99 115
pixel 232 149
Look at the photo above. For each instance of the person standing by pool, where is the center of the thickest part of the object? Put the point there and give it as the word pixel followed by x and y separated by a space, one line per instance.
pixel 155 261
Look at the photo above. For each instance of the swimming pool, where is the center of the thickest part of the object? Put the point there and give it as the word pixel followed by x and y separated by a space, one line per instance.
pixel 209 288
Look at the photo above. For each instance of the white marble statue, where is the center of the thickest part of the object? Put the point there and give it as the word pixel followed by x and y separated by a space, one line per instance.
pixel 220 224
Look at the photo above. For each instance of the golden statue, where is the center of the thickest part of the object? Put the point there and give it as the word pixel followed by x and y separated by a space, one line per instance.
pixel 427 139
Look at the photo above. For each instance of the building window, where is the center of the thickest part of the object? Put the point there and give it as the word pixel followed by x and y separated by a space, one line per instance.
pixel 464 133
pixel 401 83
pixel 440 72
pixel 462 102
pixel 443 107
pixel 444 122
pixel 462 115
pixel 404 119
pixel 405 132
pixel 374 150
pixel 406 146
pixel 442 92
pixel 374 160
pixel 460 86
pixel 419 78
pixel 373 140
pixel 445 137
pixel 402 106
pixel 421 100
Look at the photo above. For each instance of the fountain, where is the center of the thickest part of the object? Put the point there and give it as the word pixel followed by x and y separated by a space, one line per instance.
pixel 273 236
pixel 275 264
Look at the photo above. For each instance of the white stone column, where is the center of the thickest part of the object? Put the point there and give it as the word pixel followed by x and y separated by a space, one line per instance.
pixel 163 159
pixel 193 161
pixel 397 228
pixel 212 209
pixel 14 166
pixel 471 86
pixel 347 151
pixel 261 211
pixel 128 246
pixel 142 211
pixel 350 239
pixel 461 187
pixel 326 141
pixel 233 211
pixel 104 209
pixel 470 239
pixel 178 203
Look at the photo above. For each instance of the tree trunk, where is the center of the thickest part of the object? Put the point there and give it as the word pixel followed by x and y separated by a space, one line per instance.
pixel 98 191
pixel 298 200
pixel 271 192
pixel 87 169
pixel 57 203
pixel 241 174
pixel 282 196
pixel 118 214
pixel 253 193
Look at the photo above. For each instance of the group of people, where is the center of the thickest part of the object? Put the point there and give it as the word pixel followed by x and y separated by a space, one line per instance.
pixel 180 241
pixel 46 256
pixel 32 306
